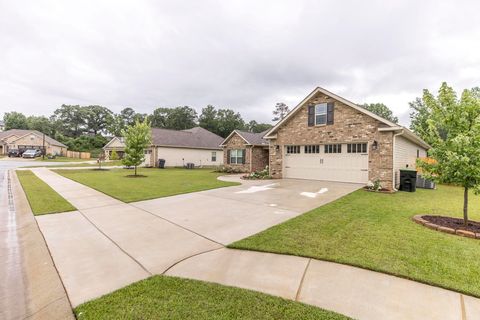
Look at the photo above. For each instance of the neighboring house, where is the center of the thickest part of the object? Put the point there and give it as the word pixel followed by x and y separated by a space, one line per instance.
pixel 177 147
pixel 327 137
pixel 2 126
pixel 29 139
pixel 245 151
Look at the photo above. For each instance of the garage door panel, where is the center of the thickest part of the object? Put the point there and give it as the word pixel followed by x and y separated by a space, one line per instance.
pixel 345 167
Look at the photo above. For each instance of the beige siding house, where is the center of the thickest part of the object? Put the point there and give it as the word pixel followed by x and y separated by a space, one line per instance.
pixel 177 147
pixel 327 137
pixel 29 139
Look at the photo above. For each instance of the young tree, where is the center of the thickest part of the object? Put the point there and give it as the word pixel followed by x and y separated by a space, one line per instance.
pixel 454 134
pixel 281 110
pixel 381 110
pixel 114 155
pixel 137 139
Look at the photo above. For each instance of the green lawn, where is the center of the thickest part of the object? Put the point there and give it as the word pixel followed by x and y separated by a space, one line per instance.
pixel 157 183
pixel 62 159
pixel 161 297
pixel 375 231
pixel 80 165
pixel 41 197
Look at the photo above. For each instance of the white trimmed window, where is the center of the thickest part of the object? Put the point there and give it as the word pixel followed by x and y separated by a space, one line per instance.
pixel 321 114
pixel 236 156
pixel 214 156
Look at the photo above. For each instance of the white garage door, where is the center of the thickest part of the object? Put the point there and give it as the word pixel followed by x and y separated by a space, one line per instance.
pixel 334 162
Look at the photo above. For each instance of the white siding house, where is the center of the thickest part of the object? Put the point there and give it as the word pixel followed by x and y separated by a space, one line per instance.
pixel 405 155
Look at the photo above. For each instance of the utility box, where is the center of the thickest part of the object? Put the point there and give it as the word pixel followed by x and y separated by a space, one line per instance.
pixel 190 165
pixel 408 180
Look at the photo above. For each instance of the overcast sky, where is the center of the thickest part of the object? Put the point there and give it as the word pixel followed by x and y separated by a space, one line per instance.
pixel 245 55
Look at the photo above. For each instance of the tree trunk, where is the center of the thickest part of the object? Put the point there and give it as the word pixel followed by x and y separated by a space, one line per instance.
pixel 135 170
pixel 465 206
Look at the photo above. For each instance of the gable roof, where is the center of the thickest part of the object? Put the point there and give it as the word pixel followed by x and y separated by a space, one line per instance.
pixel 390 126
pixel 195 138
pixel 22 132
pixel 251 138
pixel 334 96
pixel 198 138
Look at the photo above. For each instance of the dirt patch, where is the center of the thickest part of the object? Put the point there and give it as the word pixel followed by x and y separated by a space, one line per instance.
pixel 453 223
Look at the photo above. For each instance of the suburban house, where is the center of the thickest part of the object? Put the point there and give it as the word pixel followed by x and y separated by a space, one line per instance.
pixel 177 147
pixel 245 151
pixel 29 139
pixel 327 137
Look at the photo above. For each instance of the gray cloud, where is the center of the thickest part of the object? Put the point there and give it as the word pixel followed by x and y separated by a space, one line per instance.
pixel 246 55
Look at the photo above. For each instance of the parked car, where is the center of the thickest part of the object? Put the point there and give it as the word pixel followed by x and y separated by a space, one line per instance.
pixel 15 153
pixel 32 153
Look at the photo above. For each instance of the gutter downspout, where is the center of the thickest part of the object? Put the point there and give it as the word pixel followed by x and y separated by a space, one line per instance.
pixel 393 158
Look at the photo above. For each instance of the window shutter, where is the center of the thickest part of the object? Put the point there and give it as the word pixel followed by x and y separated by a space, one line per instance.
pixel 330 107
pixel 311 116
pixel 243 156
pixel 228 156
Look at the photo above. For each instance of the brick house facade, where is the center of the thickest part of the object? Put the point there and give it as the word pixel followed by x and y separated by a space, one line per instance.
pixel 245 151
pixel 346 124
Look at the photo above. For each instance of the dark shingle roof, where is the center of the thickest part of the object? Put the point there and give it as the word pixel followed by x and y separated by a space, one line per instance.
pixel 252 138
pixel 191 138
pixel 21 132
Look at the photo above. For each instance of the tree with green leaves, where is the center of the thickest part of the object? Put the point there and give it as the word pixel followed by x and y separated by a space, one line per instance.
pixel 227 121
pixel 71 120
pixel 181 118
pixel 254 126
pixel 208 119
pixel 158 119
pixel 15 120
pixel 381 110
pixel 419 115
pixel 137 139
pixel 97 118
pixel 454 133
pixel 280 111
pixel 42 124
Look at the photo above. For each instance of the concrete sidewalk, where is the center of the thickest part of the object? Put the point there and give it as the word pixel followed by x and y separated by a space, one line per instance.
pixel 108 244
pixel 30 287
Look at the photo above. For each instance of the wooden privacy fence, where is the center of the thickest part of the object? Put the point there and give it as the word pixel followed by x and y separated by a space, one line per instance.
pixel 77 154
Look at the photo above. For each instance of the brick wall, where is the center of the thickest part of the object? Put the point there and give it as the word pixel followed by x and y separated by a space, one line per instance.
pixel 349 125
pixel 236 142
pixel 256 158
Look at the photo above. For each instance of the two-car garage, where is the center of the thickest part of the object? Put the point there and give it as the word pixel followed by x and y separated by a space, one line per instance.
pixel 346 162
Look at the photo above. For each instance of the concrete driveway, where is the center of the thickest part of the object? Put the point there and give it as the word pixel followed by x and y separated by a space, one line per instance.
pixel 229 214
pixel 108 244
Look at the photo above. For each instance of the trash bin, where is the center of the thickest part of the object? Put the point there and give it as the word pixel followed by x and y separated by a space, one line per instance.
pixel 408 180
pixel 190 165
pixel 161 163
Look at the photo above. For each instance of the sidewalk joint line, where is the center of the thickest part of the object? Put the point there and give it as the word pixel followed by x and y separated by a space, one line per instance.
pixel 462 306
pixel 302 279
pixel 116 244
pixel 175 224
pixel 191 256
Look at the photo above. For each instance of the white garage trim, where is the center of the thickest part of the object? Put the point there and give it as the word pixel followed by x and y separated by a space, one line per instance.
pixel 341 166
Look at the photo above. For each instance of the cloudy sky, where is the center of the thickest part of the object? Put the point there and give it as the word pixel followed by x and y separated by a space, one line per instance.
pixel 245 55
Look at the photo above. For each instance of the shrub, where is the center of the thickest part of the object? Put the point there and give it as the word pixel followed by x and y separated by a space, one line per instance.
pixel 114 155
pixel 258 175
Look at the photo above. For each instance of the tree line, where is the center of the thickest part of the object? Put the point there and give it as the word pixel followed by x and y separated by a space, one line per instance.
pixel 83 128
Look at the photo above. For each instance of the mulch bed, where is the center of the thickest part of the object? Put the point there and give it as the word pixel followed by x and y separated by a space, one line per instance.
pixel 135 176
pixel 453 223
pixel 450 225
pixel 381 190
